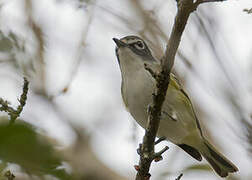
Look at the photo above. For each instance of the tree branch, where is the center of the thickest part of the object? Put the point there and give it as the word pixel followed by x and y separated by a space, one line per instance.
pixel 249 11
pixel 205 1
pixel 179 177
pixel 146 149
pixel 14 113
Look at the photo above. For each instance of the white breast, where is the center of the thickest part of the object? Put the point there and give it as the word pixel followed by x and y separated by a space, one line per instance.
pixel 138 86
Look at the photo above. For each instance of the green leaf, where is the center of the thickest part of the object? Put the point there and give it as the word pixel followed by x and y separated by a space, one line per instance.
pixel 21 144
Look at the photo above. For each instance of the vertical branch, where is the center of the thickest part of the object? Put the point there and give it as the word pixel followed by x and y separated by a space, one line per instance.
pixel 185 7
pixel 147 153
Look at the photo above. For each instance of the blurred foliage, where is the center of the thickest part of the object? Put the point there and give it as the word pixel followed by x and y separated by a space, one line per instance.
pixel 22 145
pixel 249 11
pixel 20 142
pixel 10 48
pixel 9 175
pixel 5 43
pixel 9 42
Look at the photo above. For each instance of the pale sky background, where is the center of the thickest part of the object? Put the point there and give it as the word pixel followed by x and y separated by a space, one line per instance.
pixel 94 101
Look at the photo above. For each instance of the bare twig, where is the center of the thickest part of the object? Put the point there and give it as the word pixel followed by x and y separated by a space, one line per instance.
pixel 146 149
pixel 206 1
pixel 179 177
pixel 5 106
pixel 22 102
pixel 249 11
pixel 14 113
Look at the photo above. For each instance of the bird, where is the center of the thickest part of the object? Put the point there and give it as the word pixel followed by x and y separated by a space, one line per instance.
pixel 178 120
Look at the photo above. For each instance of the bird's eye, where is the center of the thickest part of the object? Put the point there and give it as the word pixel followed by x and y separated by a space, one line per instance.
pixel 139 45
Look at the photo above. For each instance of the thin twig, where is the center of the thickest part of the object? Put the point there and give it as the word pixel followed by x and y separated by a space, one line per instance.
pixel 5 106
pixel 146 149
pixel 249 11
pixel 179 177
pixel 15 113
pixel 207 1
pixel 22 102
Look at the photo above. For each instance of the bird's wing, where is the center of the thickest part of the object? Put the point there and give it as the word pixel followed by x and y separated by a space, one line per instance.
pixel 181 98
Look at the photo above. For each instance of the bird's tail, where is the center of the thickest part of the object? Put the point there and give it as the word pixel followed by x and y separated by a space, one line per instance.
pixel 221 165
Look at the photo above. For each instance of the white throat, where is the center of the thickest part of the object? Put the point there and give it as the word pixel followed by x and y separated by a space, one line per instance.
pixel 130 63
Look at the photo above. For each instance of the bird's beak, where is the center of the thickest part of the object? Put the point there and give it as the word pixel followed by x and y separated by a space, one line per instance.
pixel 119 43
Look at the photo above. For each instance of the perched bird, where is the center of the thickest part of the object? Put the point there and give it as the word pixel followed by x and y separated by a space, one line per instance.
pixel 178 123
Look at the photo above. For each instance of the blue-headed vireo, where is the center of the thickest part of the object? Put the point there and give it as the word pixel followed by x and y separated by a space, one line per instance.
pixel 178 123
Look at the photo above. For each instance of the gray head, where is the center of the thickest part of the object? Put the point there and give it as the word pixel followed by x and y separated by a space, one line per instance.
pixel 134 48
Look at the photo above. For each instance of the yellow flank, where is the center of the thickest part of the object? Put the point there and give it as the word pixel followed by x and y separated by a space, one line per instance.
pixel 182 95
pixel 174 82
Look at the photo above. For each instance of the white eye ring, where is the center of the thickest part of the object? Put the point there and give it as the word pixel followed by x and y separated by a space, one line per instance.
pixel 139 45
